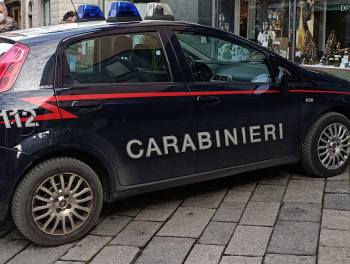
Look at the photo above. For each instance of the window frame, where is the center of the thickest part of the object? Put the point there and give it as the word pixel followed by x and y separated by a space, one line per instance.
pixel 62 63
pixel 224 36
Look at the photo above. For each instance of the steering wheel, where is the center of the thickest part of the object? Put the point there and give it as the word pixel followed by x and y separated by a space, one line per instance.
pixel 201 72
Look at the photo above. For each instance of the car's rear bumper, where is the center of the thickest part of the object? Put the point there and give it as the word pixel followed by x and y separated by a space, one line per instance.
pixel 12 165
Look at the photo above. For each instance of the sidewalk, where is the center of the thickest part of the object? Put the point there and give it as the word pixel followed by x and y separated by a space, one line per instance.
pixel 273 216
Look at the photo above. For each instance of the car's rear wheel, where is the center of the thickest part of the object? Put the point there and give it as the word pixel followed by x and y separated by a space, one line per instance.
pixel 326 147
pixel 57 202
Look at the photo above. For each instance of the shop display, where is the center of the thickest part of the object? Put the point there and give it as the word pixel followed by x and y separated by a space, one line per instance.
pixel 309 52
pixel 330 55
pixel 275 24
pixel 300 38
pixel 273 33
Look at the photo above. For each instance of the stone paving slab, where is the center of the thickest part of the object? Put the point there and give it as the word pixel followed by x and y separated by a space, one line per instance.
pixel 211 199
pixel 294 238
pixel 187 222
pixel 234 196
pixel 137 233
pixel 240 260
pixel 288 259
pixel 299 176
pixel 306 212
pixel 268 193
pixel 69 262
pixel 229 212
pixel 249 241
pixel 217 233
pixel 40 255
pixel 345 176
pixel 337 201
pixel 111 226
pixel 244 186
pixel 116 255
pixel 301 191
pixel 275 177
pixel 338 187
pixel 335 238
pixel 160 211
pixel 335 219
pixel 334 255
pixel 9 248
pixel 166 250
pixel 260 213
pixel 207 254
pixel 87 248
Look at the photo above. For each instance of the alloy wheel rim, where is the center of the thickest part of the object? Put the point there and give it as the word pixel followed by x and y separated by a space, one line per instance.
pixel 62 203
pixel 334 146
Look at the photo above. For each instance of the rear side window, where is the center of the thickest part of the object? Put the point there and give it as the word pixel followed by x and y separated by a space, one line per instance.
pixel 129 58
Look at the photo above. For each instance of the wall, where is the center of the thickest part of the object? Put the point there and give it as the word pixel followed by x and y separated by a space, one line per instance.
pixel 186 10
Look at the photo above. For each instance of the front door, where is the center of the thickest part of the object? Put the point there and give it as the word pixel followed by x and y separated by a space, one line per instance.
pixel 120 86
pixel 242 117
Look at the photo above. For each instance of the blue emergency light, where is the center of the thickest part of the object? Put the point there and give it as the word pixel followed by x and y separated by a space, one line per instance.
pixel 123 12
pixel 89 13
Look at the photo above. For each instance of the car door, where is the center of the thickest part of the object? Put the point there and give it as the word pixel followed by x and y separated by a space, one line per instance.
pixel 242 116
pixel 118 87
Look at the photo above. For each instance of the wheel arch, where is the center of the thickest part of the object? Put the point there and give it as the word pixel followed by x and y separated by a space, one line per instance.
pixel 335 109
pixel 103 170
pixel 338 109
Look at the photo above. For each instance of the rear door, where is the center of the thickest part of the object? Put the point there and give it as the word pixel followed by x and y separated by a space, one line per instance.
pixel 121 87
pixel 242 117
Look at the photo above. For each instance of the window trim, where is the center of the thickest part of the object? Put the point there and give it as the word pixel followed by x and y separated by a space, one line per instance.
pixel 225 37
pixel 62 63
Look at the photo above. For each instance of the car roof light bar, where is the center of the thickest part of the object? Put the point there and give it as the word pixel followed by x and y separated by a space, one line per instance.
pixel 159 11
pixel 90 13
pixel 123 12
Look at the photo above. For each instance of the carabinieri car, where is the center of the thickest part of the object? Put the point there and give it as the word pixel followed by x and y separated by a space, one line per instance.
pixel 97 111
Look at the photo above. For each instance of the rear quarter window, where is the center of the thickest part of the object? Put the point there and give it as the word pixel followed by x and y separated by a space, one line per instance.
pixel 39 68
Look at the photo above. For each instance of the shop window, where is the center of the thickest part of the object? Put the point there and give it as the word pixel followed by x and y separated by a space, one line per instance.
pixel 128 58
pixel 323 33
pixel 216 60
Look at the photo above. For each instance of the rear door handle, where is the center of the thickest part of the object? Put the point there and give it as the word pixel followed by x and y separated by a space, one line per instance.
pixel 86 106
pixel 208 99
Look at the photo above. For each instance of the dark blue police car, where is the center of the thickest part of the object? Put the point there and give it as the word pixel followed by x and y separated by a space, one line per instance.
pixel 96 111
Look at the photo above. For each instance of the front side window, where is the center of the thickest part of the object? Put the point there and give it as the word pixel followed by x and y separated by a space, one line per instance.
pixel 216 60
pixel 129 58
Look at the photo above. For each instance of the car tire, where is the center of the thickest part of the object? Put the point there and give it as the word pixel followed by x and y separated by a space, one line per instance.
pixel 43 211
pixel 326 146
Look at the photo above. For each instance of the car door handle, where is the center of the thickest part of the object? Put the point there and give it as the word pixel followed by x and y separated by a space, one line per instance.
pixel 87 106
pixel 208 100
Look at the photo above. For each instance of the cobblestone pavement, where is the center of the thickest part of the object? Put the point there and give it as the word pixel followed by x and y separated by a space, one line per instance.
pixel 275 216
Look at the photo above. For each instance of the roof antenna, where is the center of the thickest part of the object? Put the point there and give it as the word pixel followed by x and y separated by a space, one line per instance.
pixel 75 10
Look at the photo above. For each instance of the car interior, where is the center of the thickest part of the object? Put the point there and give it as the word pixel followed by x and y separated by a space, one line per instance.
pixel 117 59
pixel 214 60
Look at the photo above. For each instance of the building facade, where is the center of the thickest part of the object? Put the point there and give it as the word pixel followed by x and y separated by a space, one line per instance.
pixel 311 32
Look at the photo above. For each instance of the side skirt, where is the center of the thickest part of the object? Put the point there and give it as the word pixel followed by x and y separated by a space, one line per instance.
pixel 126 191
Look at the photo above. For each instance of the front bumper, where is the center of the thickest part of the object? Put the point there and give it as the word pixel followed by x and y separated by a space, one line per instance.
pixel 12 165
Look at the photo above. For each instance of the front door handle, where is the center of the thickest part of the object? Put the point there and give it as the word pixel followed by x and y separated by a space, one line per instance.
pixel 208 100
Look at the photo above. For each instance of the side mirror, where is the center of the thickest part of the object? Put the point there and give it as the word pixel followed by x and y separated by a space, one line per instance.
pixel 283 80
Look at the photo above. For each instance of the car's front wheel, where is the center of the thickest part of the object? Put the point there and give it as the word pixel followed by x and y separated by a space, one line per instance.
pixel 326 147
pixel 57 202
